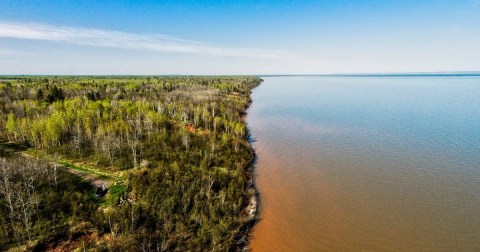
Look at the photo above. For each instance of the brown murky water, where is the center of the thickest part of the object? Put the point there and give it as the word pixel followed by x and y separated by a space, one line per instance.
pixel 367 164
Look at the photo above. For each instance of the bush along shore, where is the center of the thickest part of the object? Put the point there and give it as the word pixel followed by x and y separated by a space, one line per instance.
pixel 111 163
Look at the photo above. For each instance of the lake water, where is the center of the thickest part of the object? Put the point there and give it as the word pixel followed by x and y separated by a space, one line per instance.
pixel 367 163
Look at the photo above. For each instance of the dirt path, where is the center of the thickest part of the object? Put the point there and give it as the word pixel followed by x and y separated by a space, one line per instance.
pixel 9 148
pixel 93 179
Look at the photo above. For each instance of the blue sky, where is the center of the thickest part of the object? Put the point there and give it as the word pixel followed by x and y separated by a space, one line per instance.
pixel 238 37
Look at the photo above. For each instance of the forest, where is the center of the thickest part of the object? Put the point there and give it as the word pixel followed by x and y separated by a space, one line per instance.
pixel 173 151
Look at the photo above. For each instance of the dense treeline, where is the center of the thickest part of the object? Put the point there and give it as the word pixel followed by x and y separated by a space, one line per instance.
pixel 39 202
pixel 180 140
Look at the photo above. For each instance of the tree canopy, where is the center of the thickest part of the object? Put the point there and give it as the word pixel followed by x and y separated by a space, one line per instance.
pixel 178 143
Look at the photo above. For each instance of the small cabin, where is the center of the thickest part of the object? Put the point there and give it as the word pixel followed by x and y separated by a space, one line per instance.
pixel 101 191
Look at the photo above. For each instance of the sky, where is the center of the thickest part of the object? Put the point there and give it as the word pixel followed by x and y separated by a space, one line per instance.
pixel 238 37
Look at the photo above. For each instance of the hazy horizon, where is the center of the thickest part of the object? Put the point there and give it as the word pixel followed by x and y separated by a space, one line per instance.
pixel 389 74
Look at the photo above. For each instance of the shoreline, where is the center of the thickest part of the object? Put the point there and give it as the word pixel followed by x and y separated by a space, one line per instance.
pixel 250 212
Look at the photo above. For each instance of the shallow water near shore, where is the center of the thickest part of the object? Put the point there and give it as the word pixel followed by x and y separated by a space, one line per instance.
pixel 367 163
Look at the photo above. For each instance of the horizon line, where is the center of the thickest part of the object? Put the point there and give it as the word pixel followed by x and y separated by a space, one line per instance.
pixel 391 74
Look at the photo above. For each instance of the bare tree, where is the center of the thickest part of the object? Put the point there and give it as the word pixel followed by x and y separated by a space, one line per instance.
pixel 186 140
pixel 6 188
pixel 133 137
pixel 19 178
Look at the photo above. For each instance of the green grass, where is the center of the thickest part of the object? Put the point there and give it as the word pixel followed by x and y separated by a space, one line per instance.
pixel 102 174
pixel 114 193
pixel 89 170
pixel 111 198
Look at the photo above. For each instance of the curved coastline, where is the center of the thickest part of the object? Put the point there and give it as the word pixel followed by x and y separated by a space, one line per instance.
pixel 251 210
pixel 327 183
